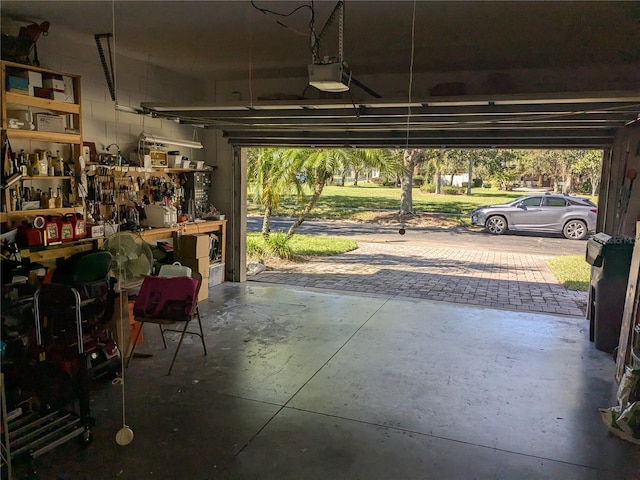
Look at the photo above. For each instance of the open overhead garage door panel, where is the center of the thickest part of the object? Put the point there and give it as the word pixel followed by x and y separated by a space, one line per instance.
pixel 579 121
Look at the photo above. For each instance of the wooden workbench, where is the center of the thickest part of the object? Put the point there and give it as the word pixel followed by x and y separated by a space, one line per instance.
pixel 190 228
pixel 51 253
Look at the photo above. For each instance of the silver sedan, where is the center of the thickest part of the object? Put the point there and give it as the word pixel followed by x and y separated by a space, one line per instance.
pixel 574 217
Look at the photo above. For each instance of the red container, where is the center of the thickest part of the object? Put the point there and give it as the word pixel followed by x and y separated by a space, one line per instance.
pixel 51 231
pixel 65 229
pixel 79 225
pixel 28 236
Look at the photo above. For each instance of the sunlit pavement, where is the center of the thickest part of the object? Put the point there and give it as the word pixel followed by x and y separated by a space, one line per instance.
pixel 506 280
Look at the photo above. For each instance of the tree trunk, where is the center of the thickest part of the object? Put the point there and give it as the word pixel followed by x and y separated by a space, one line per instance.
pixel 317 191
pixel 595 185
pixel 451 179
pixel 266 222
pixel 409 160
pixel 355 178
pixel 470 174
pixel 438 181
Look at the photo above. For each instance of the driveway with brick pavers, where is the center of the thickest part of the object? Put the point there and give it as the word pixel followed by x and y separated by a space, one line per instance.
pixel 493 279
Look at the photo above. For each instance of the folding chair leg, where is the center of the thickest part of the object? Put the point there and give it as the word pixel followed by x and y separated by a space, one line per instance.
pixel 133 346
pixel 201 332
pixel 175 355
pixel 164 342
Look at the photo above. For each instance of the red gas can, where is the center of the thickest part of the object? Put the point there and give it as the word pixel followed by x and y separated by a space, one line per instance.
pixel 79 225
pixel 65 229
pixel 51 231
pixel 28 236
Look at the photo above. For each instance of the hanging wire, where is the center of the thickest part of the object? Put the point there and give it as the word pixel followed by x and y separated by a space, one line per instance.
pixel 413 46
pixel 124 436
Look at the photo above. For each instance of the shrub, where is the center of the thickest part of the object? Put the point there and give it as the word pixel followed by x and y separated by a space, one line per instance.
pixel 465 184
pixel 378 180
pixel 486 185
pixel 418 180
pixel 278 245
pixel 447 190
pixel 255 249
pixel 477 182
pixel 428 188
pixel 389 182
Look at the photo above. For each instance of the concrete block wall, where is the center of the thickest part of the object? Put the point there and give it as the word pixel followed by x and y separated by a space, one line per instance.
pixel 136 81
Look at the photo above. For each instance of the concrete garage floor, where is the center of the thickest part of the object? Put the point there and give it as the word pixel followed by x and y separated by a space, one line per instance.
pixel 316 384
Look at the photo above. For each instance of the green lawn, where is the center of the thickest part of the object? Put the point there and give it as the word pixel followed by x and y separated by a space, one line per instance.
pixel 350 202
pixel 572 271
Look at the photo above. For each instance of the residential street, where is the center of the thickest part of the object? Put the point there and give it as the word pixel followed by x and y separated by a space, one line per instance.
pixel 457 237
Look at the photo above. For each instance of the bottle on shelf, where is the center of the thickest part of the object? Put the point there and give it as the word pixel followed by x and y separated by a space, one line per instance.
pixel 58 165
pixel 35 165
pixel 58 198
pixel 22 161
pixel 43 164
pixel 51 169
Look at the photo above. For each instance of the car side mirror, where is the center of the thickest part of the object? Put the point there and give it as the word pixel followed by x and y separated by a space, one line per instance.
pixel 520 205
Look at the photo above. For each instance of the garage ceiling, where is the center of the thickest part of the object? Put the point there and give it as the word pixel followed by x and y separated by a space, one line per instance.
pixel 490 122
pixel 240 40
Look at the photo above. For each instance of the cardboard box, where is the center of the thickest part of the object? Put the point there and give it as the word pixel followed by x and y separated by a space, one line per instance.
pixel 68 90
pixel 203 294
pixel 200 265
pixel 216 274
pixel 48 123
pixel 194 246
pixel 18 83
pixel 34 79
pixel 53 83
pixel 95 231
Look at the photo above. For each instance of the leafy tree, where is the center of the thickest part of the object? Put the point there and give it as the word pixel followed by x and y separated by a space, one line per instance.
pixel 501 166
pixel 588 163
pixel 270 175
pixel 455 161
pixel 434 160
pixel 319 167
pixel 366 159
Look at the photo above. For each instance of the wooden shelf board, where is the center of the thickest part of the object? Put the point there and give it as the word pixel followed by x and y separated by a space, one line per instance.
pixel 43 211
pixel 52 137
pixel 33 68
pixel 44 103
pixel 182 170
pixel 46 177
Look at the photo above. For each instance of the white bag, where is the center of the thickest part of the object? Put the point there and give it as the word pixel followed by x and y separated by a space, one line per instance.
pixel 174 270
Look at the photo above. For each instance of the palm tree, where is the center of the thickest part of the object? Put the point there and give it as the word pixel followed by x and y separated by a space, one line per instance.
pixel 319 167
pixel 367 159
pixel 271 174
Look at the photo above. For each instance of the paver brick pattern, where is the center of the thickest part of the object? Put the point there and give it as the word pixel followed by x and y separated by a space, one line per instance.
pixel 505 280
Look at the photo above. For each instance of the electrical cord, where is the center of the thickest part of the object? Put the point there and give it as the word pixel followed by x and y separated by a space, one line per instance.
pixel 315 41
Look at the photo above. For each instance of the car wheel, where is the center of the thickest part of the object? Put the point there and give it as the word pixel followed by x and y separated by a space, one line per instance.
pixel 575 230
pixel 496 225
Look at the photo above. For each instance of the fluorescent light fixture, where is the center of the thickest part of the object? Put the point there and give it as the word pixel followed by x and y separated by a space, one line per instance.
pixel 150 138
pixel 127 109
pixel 330 77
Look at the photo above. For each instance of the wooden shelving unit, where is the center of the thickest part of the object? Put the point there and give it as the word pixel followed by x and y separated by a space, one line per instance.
pixel 23 138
